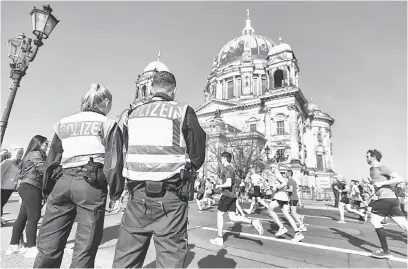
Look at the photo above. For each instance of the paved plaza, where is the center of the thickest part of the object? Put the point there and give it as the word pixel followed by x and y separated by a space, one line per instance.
pixel 327 244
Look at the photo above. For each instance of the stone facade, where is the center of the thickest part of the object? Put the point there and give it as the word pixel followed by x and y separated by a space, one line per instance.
pixel 253 94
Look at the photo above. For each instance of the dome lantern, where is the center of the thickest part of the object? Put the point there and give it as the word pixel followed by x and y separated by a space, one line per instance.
pixel 144 88
pixel 248 30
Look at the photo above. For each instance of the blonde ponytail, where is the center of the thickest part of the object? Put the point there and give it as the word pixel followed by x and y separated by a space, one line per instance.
pixel 94 97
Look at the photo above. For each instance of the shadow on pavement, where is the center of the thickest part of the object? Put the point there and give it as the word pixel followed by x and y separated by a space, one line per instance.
pixel 397 235
pixel 109 233
pixel 355 241
pixel 237 228
pixel 217 261
pixel 189 258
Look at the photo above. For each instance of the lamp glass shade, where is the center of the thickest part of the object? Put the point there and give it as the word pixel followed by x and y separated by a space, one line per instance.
pixel 43 23
pixel 50 24
pixel 39 20
pixel 14 48
pixel 267 150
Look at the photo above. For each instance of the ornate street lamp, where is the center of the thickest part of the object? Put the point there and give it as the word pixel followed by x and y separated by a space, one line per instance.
pixel 267 151
pixel 22 51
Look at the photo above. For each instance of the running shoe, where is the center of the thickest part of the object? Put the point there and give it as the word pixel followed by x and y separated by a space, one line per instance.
pixel 247 211
pixel 281 231
pixel 341 221
pixel 365 217
pixel 258 226
pixel 301 218
pixel 302 228
pixel 381 254
pixel 298 237
pixel 383 222
pixel 217 241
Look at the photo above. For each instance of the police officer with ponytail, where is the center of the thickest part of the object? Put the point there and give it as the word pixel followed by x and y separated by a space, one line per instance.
pixel 165 146
pixel 86 155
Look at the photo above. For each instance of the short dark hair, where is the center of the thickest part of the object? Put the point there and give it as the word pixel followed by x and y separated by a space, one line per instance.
pixel 290 172
pixel 227 155
pixel 375 153
pixel 165 80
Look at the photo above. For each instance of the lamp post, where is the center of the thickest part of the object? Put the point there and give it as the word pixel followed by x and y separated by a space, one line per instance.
pixel 22 51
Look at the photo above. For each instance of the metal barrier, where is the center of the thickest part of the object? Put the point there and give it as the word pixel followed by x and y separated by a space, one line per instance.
pixel 317 195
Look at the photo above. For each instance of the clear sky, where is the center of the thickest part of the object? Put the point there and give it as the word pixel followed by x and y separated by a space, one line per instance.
pixel 352 57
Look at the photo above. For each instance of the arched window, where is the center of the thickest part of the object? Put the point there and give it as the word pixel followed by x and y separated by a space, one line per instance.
pixel 280 124
pixel 144 91
pixel 137 92
pixel 278 78
pixel 280 127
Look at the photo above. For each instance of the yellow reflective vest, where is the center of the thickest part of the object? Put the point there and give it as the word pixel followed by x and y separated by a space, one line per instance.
pixel 83 135
pixel 156 145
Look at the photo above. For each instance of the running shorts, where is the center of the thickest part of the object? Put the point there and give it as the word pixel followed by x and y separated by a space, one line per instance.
pixel 257 191
pixel 294 202
pixel 227 203
pixel 345 200
pixel 386 207
pixel 281 203
pixel 357 203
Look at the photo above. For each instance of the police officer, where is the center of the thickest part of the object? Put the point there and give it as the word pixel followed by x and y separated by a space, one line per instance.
pixel 163 136
pixel 85 156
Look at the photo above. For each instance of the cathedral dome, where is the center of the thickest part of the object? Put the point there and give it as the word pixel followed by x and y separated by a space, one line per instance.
pixel 258 46
pixel 159 66
pixel 280 48
pixel 312 106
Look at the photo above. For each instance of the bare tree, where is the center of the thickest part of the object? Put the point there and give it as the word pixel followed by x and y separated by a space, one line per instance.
pixel 246 148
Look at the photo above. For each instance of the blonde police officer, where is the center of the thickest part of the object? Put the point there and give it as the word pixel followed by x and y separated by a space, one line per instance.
pixel 85 156
pixel 158 136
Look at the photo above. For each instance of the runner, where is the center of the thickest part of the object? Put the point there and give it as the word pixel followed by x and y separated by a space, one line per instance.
pixel 228 199
pixel 356 193
pixel 281 199
pixel 257 181
pixel 368 194
pixel 294 200
pixel 238 194
pixel 344 192
pixel 200 187
pixel 387 203
pixel 208 192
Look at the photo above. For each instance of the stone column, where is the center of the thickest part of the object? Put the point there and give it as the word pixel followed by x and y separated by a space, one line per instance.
pixel 294 143
pixel 292 74
pixel 234 82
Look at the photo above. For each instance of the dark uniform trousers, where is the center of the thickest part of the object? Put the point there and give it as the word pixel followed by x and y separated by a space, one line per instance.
pixel 72 199
pixel 165 218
